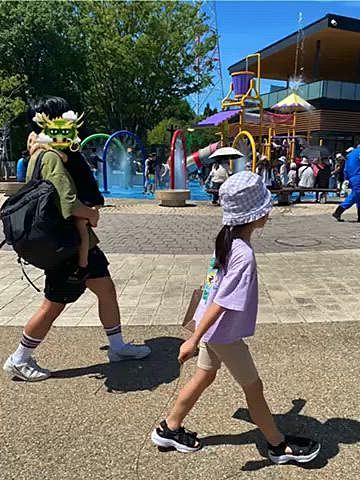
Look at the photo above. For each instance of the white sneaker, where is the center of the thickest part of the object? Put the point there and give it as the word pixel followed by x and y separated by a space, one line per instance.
pixel 129 352
pixel 28 371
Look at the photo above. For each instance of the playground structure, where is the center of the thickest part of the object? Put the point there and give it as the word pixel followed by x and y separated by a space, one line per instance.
pixel 243 100
pixel 122 158
pixel 256 133
pixel 178 192
pixel 197 160
pixel 128 165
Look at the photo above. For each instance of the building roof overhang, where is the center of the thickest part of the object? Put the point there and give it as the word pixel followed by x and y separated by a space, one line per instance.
pixel 339 53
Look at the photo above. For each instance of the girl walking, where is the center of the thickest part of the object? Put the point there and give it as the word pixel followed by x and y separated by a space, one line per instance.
pixel 225 315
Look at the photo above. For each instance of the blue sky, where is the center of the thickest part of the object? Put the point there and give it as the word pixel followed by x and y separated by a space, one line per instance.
pixel 246 27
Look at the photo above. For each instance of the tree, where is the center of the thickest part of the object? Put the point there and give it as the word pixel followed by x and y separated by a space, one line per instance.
pixel 160 134
pixel 11 104
pixel 181 110
pixel 142 57
pixel 127 64
pixel 208 111
pixel 43 41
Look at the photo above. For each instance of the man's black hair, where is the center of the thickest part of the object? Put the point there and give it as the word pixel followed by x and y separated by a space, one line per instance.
pixel 52 106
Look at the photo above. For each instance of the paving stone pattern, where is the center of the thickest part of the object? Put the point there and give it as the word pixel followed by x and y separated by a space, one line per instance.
pixel 158 256
pixel 156 289
pixel 190 234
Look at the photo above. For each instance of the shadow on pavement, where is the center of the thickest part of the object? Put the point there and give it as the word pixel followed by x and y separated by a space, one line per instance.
pixel 331 433
pixel 160 367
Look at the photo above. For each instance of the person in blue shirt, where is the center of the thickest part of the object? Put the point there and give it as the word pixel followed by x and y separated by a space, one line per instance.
pixel 352 174
pixel 21 166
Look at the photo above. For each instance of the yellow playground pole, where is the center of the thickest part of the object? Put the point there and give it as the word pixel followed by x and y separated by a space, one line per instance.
pixel 292 143
pixel 247 135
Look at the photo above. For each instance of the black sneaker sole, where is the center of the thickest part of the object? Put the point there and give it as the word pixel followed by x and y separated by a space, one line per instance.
pixel 168 443
pixel 281 459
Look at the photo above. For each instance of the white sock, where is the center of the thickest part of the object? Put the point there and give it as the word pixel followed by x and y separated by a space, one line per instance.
pixel 25 349
pixel 115 338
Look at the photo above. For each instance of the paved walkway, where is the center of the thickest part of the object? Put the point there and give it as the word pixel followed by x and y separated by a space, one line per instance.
pixel 91 421
pixel 156 289
pixel 146 228
pixel 306 260
pixel 139 228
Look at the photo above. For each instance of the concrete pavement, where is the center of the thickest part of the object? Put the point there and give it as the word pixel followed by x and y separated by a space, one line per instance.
pixel 91 420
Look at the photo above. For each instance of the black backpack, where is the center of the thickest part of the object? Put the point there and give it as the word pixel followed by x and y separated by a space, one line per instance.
pixel 33 224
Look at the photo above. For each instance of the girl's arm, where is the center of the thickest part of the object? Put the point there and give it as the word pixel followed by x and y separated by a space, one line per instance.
pixel 188 348
pixel 209 318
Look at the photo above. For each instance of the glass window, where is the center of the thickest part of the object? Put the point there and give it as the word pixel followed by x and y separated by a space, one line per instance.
pixel 314 90
pixel 348 91
pixel 357 91
pixel 332 89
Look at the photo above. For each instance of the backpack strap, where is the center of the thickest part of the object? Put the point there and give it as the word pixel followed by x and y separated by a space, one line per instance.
pixel 2 243
pixel 37 169
pixel 26 275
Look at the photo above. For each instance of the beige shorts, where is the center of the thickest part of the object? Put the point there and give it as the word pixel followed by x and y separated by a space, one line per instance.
pixel 235 356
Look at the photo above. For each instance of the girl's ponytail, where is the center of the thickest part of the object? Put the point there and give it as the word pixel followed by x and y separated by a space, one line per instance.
pixel 223 246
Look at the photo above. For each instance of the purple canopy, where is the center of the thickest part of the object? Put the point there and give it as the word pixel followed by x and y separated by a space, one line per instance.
pixel 218 118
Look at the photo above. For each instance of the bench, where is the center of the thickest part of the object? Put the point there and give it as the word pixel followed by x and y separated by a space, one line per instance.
pixel 284 193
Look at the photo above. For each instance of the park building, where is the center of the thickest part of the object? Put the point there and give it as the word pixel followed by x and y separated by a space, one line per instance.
pixel 326 54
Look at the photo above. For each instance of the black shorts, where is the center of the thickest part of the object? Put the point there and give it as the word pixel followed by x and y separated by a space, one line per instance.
pixel 58 290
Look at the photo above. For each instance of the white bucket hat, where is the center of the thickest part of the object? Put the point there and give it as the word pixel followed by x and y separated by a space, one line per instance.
pixel 244 198
pixel 350 149
pixel 282 159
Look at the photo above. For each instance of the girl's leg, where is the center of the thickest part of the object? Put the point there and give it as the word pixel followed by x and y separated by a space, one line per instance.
pixel 81 225
pixel 238 360
pixel 169 432
pixel 189 395
pixel 281 448
pixel 260 412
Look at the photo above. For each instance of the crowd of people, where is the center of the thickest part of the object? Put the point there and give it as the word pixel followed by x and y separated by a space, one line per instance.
pixel 321 173
pixel 327 173
pixel 339 173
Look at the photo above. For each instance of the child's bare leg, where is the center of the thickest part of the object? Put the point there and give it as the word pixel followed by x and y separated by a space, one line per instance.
pixel 260 412
pixel 189 395
pixel 81 225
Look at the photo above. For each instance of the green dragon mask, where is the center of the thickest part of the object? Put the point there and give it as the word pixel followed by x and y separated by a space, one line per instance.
pixel 61 132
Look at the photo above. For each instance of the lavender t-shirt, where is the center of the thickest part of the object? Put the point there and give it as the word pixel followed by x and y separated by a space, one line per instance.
pixel 236 290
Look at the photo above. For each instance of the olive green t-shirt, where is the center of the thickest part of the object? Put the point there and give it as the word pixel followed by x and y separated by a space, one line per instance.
pixel 53 170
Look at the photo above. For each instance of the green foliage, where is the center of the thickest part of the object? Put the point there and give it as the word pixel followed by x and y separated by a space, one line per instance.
pixel 181 110
pixel 202 137
pixel 208 111
pixel 142 56
pixel 11 104
pixel 160 134
pixel 184 117
pixel 42 40
pixel 128 64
